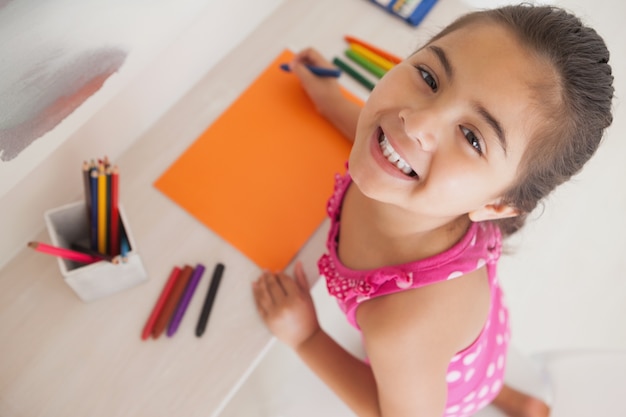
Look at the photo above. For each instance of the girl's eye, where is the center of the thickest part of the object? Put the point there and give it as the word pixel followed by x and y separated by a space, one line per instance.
pixel 472 139
pixel 428 79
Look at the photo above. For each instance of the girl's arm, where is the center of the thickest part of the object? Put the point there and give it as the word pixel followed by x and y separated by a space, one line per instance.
pixel 325 93
pixel 286 307
pixel 409 354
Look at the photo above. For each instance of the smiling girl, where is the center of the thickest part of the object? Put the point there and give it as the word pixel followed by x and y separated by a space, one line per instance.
pixel 453 148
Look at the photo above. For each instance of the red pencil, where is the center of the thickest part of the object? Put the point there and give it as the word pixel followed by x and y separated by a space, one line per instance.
pixel 64 253
pixel 114 237
pixel 377 51
pixel 158 307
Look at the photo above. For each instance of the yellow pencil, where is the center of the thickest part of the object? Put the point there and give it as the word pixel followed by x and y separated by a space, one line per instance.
pixel 371 56
pixel 102 210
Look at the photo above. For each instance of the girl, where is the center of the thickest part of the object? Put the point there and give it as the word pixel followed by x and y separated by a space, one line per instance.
pixel 453 148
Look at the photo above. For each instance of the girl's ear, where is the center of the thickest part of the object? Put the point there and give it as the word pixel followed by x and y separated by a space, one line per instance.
pixel 493 212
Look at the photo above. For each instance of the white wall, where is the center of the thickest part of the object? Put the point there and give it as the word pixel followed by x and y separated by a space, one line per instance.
pixel 171 46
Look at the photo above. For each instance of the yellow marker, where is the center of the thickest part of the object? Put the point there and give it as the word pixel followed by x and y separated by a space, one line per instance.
pixel 371 56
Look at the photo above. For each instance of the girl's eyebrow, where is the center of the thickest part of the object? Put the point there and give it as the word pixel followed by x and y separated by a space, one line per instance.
pixel 495 125
pixel 443 58
pixel 488 117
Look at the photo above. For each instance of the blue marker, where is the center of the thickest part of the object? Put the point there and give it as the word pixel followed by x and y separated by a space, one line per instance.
pixel 319 71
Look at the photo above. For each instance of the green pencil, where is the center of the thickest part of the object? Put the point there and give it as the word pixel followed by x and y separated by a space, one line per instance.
pixel 354 74
pixel 365 63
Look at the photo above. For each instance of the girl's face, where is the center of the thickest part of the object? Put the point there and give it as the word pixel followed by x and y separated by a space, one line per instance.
pixel 443 132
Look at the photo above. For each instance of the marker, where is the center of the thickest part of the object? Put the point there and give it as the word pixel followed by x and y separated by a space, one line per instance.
pixel 319 71
pixel 158 307
pixel 354 74
pixel 185 299
pixel 365 63
pixel 210 297
pixel 375 58
pixel 172 301
pixel 374 49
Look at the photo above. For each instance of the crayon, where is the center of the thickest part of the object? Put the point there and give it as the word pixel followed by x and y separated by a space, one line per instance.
pixel 365 64
pixel 371 56
pixel 384 54
pixel 158 307
pixel 210 298
pixel 172 301
pixel 354 74
pixel 185 299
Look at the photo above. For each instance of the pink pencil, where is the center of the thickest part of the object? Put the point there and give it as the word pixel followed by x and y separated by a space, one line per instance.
pixel 64 253
pixel 158 307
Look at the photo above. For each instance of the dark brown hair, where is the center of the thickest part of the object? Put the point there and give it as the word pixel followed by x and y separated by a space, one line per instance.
pixel 577 109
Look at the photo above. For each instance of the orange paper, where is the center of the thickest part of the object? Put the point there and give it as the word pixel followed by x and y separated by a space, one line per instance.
pixel 261 174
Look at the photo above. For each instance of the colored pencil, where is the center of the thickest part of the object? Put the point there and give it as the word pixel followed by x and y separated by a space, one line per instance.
pixel 384 54
pixel 81 248
pixel 172 301
pixel 114 225
pixel 102 210
pixel 158 307
pixel 319 71
pixel 93 219
pixel 124 244
pixel 210 298
pixel 354 74
pixel 181 308
pixel 70 255
pixel 365 63
pixel 371 56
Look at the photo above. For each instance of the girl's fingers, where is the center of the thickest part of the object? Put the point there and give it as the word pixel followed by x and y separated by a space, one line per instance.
pixel 275 287
pixel 268 291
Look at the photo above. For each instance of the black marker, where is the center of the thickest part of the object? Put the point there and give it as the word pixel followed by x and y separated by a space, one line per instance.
pixel 208 301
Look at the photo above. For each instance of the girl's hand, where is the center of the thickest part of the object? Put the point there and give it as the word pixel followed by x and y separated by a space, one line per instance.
pixel 325 93
pixel 286 306
pixel 321 90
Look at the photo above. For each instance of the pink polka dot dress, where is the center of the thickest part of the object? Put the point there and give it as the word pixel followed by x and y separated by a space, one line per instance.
pixel 475 375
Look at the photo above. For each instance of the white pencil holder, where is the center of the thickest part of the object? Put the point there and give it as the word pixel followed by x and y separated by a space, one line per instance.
pixel 68 224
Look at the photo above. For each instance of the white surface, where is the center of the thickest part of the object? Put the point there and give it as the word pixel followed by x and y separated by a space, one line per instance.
pixel 565 282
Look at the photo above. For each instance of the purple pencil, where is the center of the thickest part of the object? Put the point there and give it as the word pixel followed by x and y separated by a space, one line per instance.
pixel 185 299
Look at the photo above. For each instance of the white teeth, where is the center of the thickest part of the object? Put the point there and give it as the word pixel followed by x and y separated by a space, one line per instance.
pixel 393 156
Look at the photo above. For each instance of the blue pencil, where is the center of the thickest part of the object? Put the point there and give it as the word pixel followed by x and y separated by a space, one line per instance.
pixel 124 244
pixel 319 71
pixel 94 209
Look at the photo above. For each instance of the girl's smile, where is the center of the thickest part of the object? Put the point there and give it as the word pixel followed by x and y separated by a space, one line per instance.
pixel 389 159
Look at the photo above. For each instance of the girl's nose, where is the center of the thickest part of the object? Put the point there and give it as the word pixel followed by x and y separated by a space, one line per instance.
pixel 422 126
